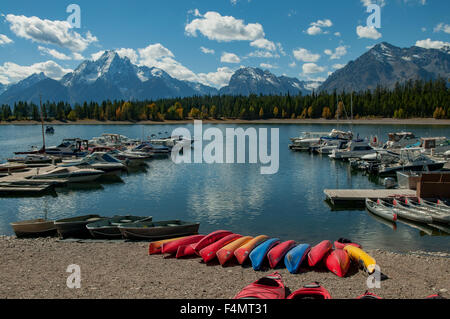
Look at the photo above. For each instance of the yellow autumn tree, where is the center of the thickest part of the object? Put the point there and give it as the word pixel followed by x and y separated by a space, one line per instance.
pixel 275 111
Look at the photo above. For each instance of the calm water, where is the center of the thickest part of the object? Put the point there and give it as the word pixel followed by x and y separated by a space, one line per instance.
pixel 288 205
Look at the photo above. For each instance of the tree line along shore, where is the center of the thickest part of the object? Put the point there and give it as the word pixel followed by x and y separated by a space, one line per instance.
pixel 413 99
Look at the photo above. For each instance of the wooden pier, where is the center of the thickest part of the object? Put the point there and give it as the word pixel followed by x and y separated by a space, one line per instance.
pixel 359 195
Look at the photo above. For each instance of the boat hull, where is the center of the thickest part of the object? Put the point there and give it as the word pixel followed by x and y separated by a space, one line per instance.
pixel 209 252
pixel 34 228
pixel 311 291
pixel 317 253
pixel 338 262
pixel 226 253
pixel 156 246
pixel 277 253
pixel 172 247
pixel 361 258
pixel 210 238
pixel 242 252
pixel 75 227
pixel 258 254
pixel 161 232
pixel 268 287
pixel 295 257
pixel 108 228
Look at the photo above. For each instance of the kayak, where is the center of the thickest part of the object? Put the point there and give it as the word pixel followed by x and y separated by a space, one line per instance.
pixel 362 258
pixel 295 257
pixel 381 211
pixel 278 252
pixel 342 242
pixel 259 253
pixel 317 253
pixel 209 239
pixel 408 213
pixel 155 247
pixel 209 252
pixel 268 287
pixel 338 262
pixel 311 291
pixel 226 253
pixel 242 252
pixel 172 247
pixel 369 295
pixel 185 250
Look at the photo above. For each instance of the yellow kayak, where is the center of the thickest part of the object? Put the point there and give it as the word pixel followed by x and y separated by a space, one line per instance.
pixel 156 246
pixel 361 257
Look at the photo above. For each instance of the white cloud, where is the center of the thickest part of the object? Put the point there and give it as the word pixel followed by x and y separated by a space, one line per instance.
pixel 217 79
pixel 207 51
pixel 56 54
pixel 268 66
pixel 49 32
pixel 293 64
pixel 304 55
pixel 442 27
pixel 95 56
pixel 316 27
pixel 229 58
pixel 381 3
pixel 429 44
pixel 263 54
pixel 338 66
pixel 264 44
pixel 12 73
pixel 367 32
pixel 5 40
pixel 338 34
pixel 338 53
pixel 77 56
pixel 310 68
pixel 280 48
pixel 129 53
pixel 224 28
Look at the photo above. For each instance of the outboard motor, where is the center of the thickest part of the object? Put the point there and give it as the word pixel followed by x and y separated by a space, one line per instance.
pixel 389 182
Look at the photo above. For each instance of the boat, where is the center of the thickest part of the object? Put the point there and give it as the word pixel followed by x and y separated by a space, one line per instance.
pixel 33 160
pixel 172 246
pixel 185 250
pixel 380 210
pixel 98 160
pixel 361 258
pixel 407 213
pixel 439 204
pixel 75 227
pixel 342 242
pixel 209 239
pixel 400 140
pixel 226 253
pixel 277 253
pixel 242 252
pixel 435 145
pixel 306 140
pixel 71 174
pixel 295 257
pixel 268 287
pixel 69 147
pixel 158 230
pixel 317 252
pixel 311 291
pixel 109 227
pixel 209 252
pixel 354 150
pixel 368 295
pixel 391 225
pixel 155 247
pixel 258 254
pixel 438 215
pixel 411 160
pixel 14 167
pixel 40 227
pixel 338 262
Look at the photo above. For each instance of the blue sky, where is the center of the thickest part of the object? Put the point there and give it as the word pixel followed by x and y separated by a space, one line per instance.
pixel 207 41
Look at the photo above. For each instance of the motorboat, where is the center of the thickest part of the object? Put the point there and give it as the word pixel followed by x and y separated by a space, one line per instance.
pixel 154 150
pixel 71 174
pixel 435 145
pixel 328 146
pixel 33 160
pixel 400 140
pixel 411 160
pixel 12 167
pixel 306 140
pixel 354 149
pixel 97 160
pixel 68 147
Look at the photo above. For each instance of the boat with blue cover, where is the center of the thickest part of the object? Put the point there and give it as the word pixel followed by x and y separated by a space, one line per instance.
pixel 259 253
pixel 295 257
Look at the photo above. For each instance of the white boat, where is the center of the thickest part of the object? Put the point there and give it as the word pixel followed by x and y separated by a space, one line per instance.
pixel 435 145
pixel 353 150
pixel 411 160
pixel 306 140
pixel 71 174
pixel 97 160
pixel 401 140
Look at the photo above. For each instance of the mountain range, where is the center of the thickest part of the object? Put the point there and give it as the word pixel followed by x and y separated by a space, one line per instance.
pixel 114 77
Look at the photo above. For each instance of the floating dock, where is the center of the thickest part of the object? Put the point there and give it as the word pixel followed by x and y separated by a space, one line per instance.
pixel 358 196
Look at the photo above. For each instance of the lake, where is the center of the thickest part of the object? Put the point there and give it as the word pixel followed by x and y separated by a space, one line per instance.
pixel 289 204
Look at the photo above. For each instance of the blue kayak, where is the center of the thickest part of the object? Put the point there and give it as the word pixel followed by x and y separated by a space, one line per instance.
pixel 295 257
pixel 259 253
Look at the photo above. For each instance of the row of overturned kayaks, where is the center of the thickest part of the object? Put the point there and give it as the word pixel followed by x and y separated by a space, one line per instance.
pixel 98 227
pixel 262 252
pixel 415 210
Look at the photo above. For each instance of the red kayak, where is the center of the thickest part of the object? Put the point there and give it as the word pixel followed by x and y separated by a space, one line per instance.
pixel 209 252
pixel 311 291
pixel 209 239
pixel 172 247
pixel 185 250
pixel 268 287
pixel 342 242
pixel 277 253
pixel 369 295
pixel 317 253
pixel 338 262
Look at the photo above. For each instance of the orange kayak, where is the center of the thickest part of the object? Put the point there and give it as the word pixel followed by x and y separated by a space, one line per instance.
pixel 156 246
pixel 242 252
pixel 226 253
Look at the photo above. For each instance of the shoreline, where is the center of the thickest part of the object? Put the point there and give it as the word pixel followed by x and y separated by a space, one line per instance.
pixel 36 268
pixel 374 121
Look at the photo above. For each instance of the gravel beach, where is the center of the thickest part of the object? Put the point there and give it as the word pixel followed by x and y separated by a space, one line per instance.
pixel 36 268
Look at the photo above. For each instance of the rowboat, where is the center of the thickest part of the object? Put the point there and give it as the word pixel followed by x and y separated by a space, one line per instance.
pixel 437 214
pixel 75 227
pixel 380 210
pixel 109 227
pixel 158 230
pixel 407 213
pixel 34 228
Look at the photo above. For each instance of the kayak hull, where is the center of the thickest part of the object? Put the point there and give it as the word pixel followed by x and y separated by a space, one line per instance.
pixel 210 238
pixel 226 253
pixel 311 291
pixel 209 252
pixel 156 246
pixel 319 251
pixel 361 258
pixel 268 287
pixel 338 262
pixel 258 254
pixel 295 257
pixel 185 250
pixel 342 242
pixel 277 253
pixel 242 252
pixel 172 247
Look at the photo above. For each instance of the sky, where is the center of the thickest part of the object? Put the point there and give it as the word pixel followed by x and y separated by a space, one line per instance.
pixel 206 41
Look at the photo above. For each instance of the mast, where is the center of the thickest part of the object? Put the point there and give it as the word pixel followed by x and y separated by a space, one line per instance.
pixel 42 124
pixel 351 105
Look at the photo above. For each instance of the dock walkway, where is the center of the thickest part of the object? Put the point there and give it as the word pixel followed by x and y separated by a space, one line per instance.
pixel 360 195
